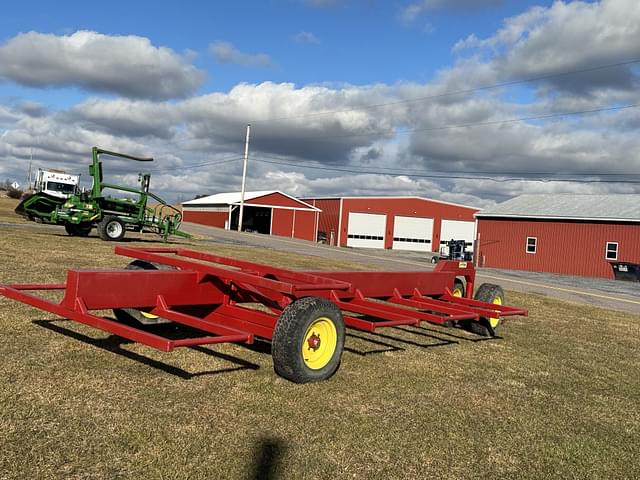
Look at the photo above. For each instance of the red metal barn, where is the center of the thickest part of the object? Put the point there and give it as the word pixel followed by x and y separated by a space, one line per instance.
pixel 269 212
pixel 400 223
pixel 561 233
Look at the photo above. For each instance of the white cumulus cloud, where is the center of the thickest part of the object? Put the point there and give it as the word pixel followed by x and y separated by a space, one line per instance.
pixel 446 139
pixel 124 65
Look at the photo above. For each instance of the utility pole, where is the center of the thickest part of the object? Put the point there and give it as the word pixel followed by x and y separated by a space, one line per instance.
pixel 244 177
pixel 29 179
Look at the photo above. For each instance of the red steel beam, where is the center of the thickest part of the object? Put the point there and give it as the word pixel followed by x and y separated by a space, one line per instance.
pixel 35 286
pixel 302 280
pixel 372 284
pixel 382 284
pixel 223 273
pixel 286 281
pixel 487 309
pixel 260 323
pixel 79 314
pixel 104 289
pixel 208 325
pixel 190 342
pixel 378 310
pixel 371 326
pixel 445 314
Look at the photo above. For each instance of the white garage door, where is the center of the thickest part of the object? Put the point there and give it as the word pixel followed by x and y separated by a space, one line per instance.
pixel 412 233
pixel 456 230
pixel 366 230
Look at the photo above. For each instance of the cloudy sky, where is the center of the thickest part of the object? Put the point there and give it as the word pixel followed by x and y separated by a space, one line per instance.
pixel 469 101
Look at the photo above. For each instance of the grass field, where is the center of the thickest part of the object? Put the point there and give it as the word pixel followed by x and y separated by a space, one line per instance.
pixel 557 396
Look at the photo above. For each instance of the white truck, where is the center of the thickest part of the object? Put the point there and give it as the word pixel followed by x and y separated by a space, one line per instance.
pixel 56 183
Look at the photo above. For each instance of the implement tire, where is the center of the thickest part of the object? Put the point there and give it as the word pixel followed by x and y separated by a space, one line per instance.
pixel 458 288
pixel 489 293
pixel 111 229
pixel 79 230
pixel 136 317
pixel 83 229
pixel 308 340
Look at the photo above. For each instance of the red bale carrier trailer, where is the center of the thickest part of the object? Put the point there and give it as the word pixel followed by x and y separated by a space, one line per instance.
pixel 303 314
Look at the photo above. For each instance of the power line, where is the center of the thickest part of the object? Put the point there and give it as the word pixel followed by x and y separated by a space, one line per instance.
pixel 455 92
pixel 477 124
pixel 182 167
pixel 445 173
pixel 525 119
pixel 451 176
pixel 197 165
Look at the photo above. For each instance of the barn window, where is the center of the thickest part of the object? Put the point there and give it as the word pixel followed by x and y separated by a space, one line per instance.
pixel 531 244
pixel 612 251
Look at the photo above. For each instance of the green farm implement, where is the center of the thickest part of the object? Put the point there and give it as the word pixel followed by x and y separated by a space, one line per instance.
pixel 79 211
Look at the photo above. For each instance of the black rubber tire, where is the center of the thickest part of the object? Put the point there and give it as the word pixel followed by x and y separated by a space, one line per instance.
pixel 79 230
pixel 458 285
pixel 434 259
pixel 133 316
pixel 489 293
pixel 288 339
pixel 83 229
pixel 111 229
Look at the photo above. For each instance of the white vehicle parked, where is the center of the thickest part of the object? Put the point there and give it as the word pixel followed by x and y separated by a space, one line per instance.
pixel 56 183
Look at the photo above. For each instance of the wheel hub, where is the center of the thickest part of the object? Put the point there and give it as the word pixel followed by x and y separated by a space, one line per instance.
pixel 114 229
pixel 319 343
pixel 314 342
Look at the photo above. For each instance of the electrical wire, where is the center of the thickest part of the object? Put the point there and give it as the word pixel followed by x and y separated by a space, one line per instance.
pixel 472 124
pixel 182 167
pixel 452 176
pixel 445 173
pixel 198 165
pixel 454 92
pixel 504 176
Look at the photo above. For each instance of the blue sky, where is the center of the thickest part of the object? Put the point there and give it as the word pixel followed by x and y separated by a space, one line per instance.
pixel 180 81
pixel 356 42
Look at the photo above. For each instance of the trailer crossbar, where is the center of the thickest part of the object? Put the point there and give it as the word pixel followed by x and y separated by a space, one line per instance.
pixel 485 308
pixel 445 311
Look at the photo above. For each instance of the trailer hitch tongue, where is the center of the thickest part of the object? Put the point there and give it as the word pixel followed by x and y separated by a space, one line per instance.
pixel 314 341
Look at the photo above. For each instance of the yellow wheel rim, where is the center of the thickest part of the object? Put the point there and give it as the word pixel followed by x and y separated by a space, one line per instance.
pixel 150 316
pixel 319 343
pixel 494 321
pixel 457 292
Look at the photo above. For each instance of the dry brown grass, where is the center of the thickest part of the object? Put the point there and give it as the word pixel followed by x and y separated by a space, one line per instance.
pixel 7 214
pixel 557 397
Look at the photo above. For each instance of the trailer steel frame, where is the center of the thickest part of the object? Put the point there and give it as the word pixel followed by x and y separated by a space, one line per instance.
pixel 218 295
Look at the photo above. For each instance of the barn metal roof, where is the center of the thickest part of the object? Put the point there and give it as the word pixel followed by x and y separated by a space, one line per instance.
pixel 233 198
pixel 228 198
pixel 614 207
pixel 391 197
